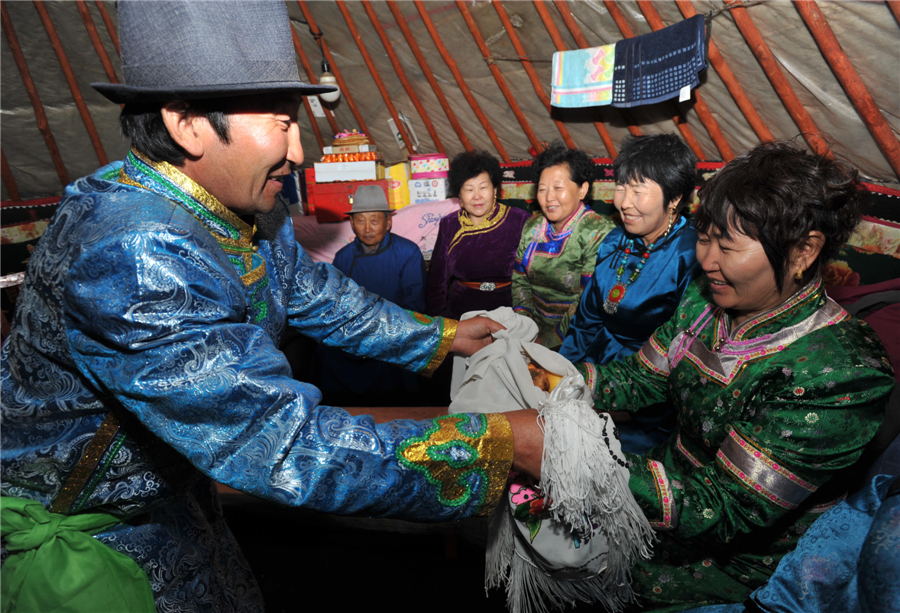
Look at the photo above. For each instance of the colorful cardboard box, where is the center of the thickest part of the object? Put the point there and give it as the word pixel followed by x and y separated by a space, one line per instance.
pixel 427 190
pixel 398 185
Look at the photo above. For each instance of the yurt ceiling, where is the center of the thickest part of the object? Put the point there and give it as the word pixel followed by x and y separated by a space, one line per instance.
pixel 477 75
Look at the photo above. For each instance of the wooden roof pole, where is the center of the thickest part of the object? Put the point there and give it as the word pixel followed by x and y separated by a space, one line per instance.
pixel 532 73
pixel 374 72
pixel 448 59
pixel 95 40
pixel 39 114
pixel 70 79
pixel 345 91
pixel 856 90
pixel 8 179
pixel 703 112
pixel 110 28
pixel 566 13
pixel 398 68
pixel 734 87
pixel 329 115
pixel 776 76
pixel 686 133
pixel 895 8
pixel 561 46
pixel 498 76
pixel 429 75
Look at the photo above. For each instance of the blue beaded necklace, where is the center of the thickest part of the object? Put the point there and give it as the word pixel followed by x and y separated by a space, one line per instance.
pixel 617 292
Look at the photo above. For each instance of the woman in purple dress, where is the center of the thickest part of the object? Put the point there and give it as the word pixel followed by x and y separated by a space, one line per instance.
pixel 472 263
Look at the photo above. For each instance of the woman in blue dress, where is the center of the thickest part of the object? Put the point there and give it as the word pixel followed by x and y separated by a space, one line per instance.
pixel 643 267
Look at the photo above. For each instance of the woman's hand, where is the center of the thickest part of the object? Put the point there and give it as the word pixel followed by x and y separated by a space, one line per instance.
pixel 474 334
pixel 528 442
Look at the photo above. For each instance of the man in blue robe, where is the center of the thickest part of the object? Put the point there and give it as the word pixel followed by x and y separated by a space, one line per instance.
pixel 387 265
pixel 142 365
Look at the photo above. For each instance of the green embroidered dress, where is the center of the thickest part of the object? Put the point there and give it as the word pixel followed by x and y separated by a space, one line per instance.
pixel 552 269
pixel 767 414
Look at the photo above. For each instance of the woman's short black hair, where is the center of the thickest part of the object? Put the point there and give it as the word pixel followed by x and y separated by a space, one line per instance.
pixel 662 158
pixel 777 193
pixel 470 164
pixel 580 164
pixel 142 123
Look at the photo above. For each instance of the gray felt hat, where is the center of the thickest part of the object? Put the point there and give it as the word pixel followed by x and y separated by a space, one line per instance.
pixel 369 199
pixel 183 50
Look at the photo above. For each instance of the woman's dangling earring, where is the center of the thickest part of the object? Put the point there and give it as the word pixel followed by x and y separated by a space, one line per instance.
pixel 799 274
pixel 671 221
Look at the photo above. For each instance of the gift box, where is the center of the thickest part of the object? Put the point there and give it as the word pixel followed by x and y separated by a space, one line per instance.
pixel 349 149
pixel 398 185
pixel 338 172
pixel 429 166
pixel 427 190
pixel 331 201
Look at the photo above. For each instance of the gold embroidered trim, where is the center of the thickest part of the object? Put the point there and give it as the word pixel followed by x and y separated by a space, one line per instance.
pixel 254 275
pixel 126 180
pixel 86 465
pixel 448 333
pixel 496 217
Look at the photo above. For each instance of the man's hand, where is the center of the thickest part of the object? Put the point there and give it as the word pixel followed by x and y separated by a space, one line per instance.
pixel 528 442
pixel 474 334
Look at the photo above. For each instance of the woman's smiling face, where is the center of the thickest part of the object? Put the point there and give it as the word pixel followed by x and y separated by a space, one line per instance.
pixel 559 196
pixel 741 278
pixel 642 208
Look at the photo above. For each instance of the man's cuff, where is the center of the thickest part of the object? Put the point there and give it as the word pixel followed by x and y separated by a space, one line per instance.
pixel 466 457
pixel 448 334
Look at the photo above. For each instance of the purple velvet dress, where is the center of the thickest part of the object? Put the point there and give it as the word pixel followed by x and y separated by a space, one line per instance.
pixel 481 254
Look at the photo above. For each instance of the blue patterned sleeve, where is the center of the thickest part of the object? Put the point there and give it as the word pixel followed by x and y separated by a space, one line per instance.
pixel 333 309
pixel 155 323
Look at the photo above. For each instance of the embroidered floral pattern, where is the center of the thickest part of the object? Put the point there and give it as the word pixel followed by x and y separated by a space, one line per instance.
pixel 462 456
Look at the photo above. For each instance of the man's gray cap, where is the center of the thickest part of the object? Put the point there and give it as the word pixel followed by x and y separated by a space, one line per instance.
pixel 369 199
pixel 184 50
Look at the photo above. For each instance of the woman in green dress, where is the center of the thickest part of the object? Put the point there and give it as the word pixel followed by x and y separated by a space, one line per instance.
pixel 558 250
pixel 776 388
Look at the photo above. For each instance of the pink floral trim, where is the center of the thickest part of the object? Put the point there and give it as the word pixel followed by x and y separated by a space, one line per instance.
pixel 663 351
pixel 789 304
pixel 693 460
pixel 590 376
pixel 669 514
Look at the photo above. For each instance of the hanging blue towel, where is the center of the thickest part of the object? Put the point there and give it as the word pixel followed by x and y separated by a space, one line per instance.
pixel 583 77
pixel 656 66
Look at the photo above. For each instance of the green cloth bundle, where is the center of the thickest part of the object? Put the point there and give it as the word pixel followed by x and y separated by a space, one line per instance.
pixel 56 565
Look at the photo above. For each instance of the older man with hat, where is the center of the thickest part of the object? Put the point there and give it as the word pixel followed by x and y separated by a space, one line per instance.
pixel 143 363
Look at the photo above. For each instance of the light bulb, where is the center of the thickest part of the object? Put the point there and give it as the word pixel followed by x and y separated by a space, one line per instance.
pixel 328 79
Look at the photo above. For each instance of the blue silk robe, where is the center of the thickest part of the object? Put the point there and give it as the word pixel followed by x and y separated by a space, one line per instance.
pixel 599 337
pixel 151 316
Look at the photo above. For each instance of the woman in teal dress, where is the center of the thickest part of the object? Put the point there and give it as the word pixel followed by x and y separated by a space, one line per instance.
pixel 555 259
pixel 642 269
pixel 777 390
